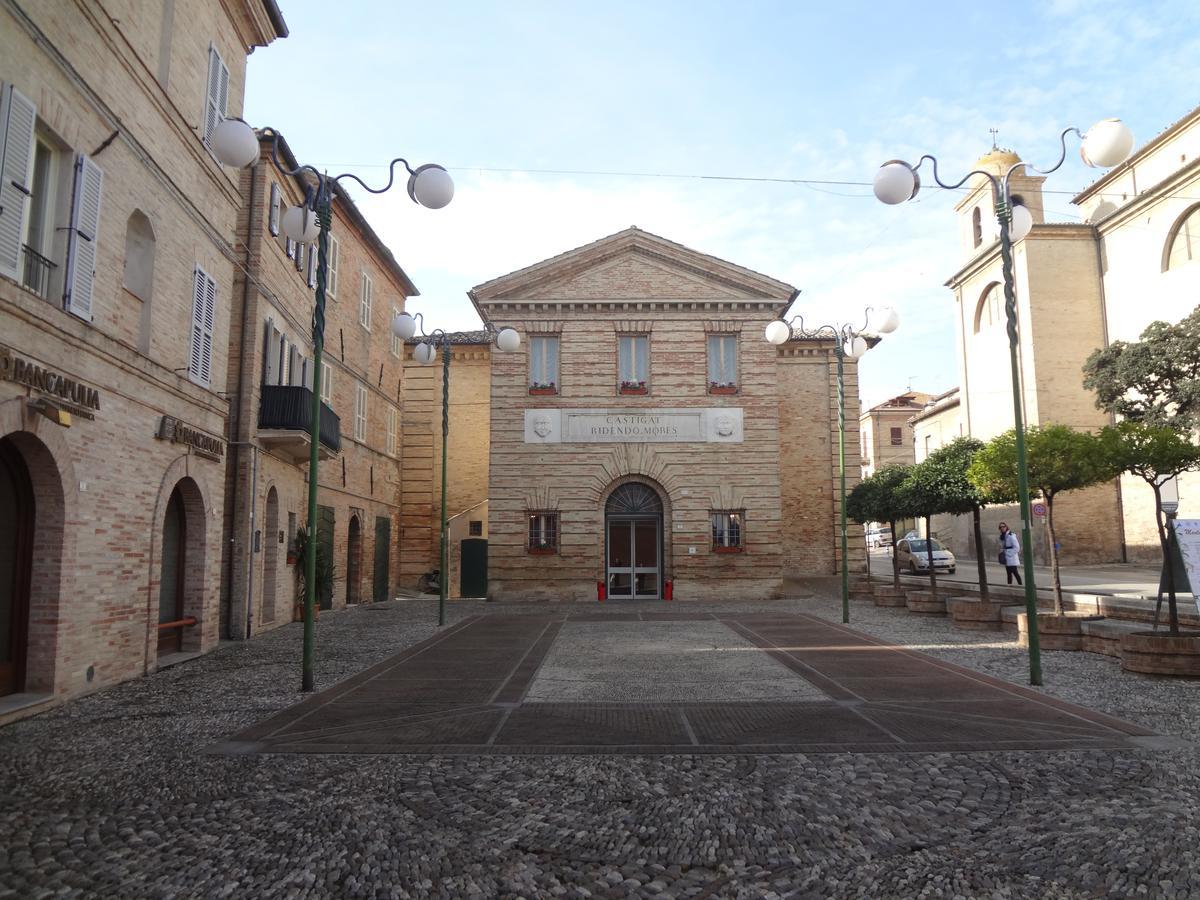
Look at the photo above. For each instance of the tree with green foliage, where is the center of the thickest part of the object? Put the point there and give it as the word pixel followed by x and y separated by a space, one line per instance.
pixel 1057 458
pixel 920 497
pixel 1155 380
pixel 874 499
pixel 1156 454
pixel 947 472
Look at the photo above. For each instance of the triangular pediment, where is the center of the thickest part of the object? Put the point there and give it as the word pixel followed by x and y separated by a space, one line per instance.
pixel 633 265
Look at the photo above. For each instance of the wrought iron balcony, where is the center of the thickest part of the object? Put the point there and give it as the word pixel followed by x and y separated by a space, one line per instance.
pixel 284 416
pixel 37 272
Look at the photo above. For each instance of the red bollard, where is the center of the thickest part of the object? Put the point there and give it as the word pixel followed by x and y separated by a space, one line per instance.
pixel 601 591
pixel 668 590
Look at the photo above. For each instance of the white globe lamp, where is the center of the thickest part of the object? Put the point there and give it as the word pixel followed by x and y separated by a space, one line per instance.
pixel 895 182
pixel 404 326
pixel 778 332
pixel 431 186
pixel 1022 222
pixel 1108 143
pixel 508 340
pixel 300 224
pixel 855 347
pixel 234 143
pixel 886 320
pixel 424 353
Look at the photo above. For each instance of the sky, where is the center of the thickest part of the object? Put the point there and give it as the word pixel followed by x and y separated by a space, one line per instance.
pixel 563 122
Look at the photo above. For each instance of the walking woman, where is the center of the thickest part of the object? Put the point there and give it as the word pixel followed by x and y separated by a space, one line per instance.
pixel 1010 553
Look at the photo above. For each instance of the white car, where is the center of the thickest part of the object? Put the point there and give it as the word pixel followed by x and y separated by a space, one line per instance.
pixel 913 554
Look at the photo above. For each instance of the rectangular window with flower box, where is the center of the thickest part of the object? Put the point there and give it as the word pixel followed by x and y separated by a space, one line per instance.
pixel 633 363
pixel 543 364
pixel 722 364
pixel 728 527
pixel 543 532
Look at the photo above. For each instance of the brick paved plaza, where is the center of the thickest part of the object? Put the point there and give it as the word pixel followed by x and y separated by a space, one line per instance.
pixel 432 764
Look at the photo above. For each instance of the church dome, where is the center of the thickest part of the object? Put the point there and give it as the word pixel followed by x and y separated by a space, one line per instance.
pixel 997 161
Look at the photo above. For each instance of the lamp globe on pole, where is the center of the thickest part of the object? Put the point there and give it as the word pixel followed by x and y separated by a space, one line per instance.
pixel 1108 143
pixel 300 224
pixel 234 143
pixel 778 332
pixel 895 182
pixel 885 320
pixel 508 340
pixel 1022 222
pixel 404 326
pixel 424 353
pixel 431 186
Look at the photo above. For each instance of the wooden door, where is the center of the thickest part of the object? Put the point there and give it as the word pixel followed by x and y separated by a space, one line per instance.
pixel 16 562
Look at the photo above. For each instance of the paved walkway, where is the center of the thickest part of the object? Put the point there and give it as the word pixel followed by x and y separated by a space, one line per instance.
pixel 765 684
pixel 119 794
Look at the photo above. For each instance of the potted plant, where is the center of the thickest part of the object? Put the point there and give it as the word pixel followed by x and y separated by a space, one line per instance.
pixel 722 387
pixel 543 388
pixel 542 548
pixel 633 387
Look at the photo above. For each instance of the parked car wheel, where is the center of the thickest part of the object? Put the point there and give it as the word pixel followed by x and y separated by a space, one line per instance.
pixel 912 567
pixel 952 570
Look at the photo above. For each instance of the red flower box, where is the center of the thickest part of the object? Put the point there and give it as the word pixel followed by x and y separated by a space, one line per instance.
pixel 722 389
pixel 633 389
pixel 543 391
pixel 542 551
pixel 728 549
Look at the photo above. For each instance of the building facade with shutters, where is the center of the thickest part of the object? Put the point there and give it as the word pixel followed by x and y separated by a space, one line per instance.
pixel 646 442
pixel 270 380
pixel 116 275
pixel 884 434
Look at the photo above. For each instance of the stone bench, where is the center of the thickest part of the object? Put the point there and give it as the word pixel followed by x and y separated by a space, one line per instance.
pixel 925 603
pixel 887 595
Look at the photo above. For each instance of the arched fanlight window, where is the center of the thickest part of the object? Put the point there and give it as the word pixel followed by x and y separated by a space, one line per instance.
pixel 990 309
pixel 634 499
pixel 1183 245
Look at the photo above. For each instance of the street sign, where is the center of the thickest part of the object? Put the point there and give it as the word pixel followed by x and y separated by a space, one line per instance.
pixel 1039 510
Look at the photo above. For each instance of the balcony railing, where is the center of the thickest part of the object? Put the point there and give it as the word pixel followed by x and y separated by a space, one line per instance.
pixel 288 407
pixel 37 272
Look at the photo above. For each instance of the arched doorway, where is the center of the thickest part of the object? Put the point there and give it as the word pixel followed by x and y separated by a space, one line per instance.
pixel 271 558
pixel 174 569
pixel 16 565
pixel 633 524
pixel 353 560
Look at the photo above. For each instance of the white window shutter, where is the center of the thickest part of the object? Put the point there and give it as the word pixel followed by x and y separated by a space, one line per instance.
pixel 331 267
pixel 216 104
pixel 273 214
pixel 204 307
pixel 17 118
pixel 270 340
pixel 295 374
pixel 312 266
pixel 81 242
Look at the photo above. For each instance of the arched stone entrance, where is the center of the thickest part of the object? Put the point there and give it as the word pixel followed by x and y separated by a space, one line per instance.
pixel 270 582
pixel 354 560
pixel 32 541
pixel 633 545
pixel 182 552
pixel 171 586
pixel 17 516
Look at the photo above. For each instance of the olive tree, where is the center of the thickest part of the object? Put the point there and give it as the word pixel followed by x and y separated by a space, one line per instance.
pixel 1058 459
pixel 1156 454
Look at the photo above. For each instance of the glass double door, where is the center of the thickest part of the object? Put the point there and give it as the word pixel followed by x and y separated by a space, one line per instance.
pixel 634 558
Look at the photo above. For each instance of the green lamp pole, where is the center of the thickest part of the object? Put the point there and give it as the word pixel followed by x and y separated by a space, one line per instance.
pixel 236 144
pixel 848 341
pixel 406 327
pixel 1107 143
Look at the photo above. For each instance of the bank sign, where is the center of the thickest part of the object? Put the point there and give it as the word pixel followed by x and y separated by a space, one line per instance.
pixel 722 424
pixel 81 399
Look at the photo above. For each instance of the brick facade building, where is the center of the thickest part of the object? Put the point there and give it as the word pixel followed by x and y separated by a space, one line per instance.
pixel 270 383
pixel 647 435
pixel 116 278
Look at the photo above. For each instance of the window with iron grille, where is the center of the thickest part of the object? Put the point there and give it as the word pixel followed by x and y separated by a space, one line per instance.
pixel 543 531
pixel 897 437
pixel 475 528
pixel 728 526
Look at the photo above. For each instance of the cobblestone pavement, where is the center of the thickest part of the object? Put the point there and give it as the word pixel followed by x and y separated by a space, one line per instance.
pixel 115 795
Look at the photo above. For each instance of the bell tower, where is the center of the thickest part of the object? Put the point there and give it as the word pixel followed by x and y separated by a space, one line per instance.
pixel 976 210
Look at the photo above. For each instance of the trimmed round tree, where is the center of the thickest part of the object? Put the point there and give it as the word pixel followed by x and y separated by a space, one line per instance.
pixel 921 497
pixel 876 499
pixel 1057 458
pixel 1156 454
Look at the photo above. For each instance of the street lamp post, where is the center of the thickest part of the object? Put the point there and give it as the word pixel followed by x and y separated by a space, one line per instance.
pixel 1106 144
pixel 235 144
pixel 405 327
pixel 848 341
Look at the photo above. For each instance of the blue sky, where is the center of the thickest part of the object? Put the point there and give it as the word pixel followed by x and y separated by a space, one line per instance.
pixel 756 89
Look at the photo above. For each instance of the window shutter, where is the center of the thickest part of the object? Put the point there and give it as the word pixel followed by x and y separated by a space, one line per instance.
pixel 17 118
pixel 271 340
pixel 295 375
pixel 204 305
pixel 216 103
pixel 308 373
pixel 81 243
pixel 312 266
pixel 331 278
pixel 273 214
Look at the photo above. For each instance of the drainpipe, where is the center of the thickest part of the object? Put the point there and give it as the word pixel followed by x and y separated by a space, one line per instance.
pixel 235 430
